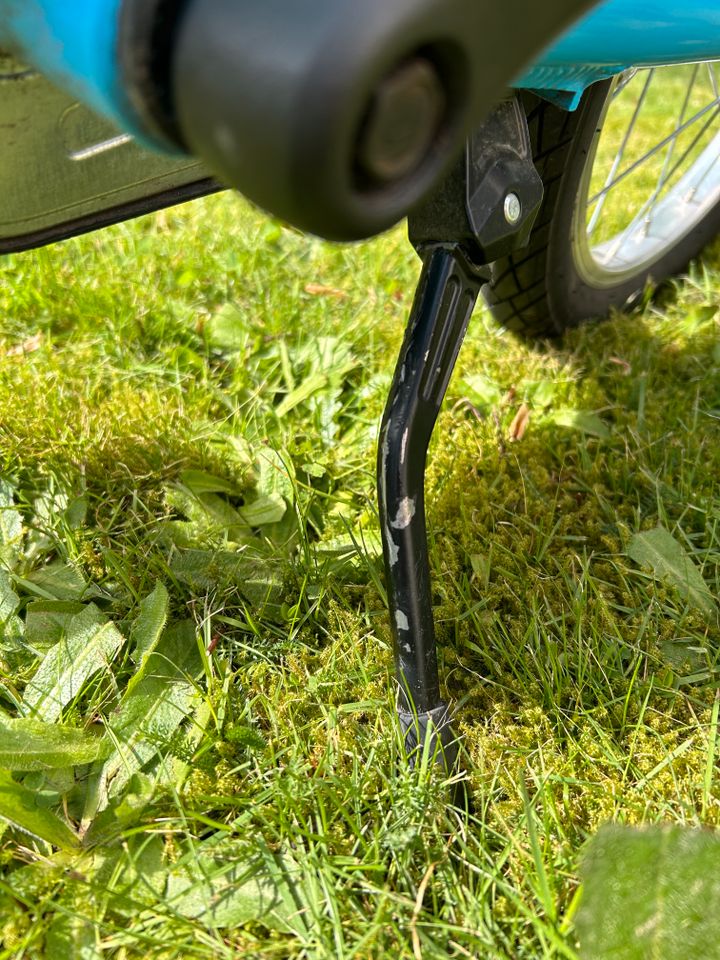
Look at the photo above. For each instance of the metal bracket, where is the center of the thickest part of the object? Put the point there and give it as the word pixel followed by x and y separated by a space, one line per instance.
pixel 491 197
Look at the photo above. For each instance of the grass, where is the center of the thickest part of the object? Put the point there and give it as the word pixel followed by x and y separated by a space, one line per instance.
pixel 192 400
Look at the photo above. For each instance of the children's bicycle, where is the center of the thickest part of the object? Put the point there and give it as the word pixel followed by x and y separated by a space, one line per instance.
pixel 512 154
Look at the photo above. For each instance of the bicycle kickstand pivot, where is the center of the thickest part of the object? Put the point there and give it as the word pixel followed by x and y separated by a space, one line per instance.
pixel 485 208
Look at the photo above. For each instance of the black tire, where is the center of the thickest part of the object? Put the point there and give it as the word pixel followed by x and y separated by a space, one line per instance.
pixel 538 292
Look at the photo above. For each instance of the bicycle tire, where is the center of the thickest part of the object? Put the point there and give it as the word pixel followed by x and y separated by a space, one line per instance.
pixel 539 291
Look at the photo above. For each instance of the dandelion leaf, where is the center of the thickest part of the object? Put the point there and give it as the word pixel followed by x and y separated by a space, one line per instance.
pixel 20 809
pixel 35 745
pixel 88 646
pixel 650 893
pixel 660 553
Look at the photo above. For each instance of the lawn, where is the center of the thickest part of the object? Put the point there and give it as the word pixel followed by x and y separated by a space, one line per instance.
pixel 194 621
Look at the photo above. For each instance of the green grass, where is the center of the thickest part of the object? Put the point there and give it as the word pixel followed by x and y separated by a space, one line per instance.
pixel 202 364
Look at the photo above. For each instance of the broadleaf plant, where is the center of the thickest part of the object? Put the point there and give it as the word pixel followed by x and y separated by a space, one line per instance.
pixel 88 645
pixel 665 557
pixel 650 894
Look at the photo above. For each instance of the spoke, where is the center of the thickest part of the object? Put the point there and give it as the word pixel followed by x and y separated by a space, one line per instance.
pixel 623 80
pixel 713 80
pixel 613 247
pixel 656 149
pixel 642 213
pixel 680 185
pixel 612 250
pixel 664 176
pixel 706 174
pixel 618 158
pixel 696 140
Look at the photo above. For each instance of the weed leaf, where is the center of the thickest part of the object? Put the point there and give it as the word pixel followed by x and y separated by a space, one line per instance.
pixel 46 621
pixel 147 628
pixel 481 391
pixel 650 893
pixel 264 510
pixel 11 626
pixel 540 393
pixel 217 882
pixel 227 328
pixel 59 581
pixel 10 525
pixel 219 886
pixel 258 580
pixel 19 808
pixel 9 600
pixel 585 421
pixel 134 874
pixel 152 711
pixel 310 386
pixel 34 745
pixel 276 476
pixel 666 558
pixel 71 937
pixel 197 482
pixel 89 645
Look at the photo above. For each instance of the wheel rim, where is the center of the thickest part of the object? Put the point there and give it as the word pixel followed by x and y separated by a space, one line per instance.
pixel 653 171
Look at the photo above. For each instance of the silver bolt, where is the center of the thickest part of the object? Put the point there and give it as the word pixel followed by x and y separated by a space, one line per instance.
pixel 512 208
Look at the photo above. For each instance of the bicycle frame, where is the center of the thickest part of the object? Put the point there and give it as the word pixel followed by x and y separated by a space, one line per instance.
pixel 620 34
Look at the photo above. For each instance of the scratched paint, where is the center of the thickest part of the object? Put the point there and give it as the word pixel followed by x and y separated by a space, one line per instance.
pixel 404 515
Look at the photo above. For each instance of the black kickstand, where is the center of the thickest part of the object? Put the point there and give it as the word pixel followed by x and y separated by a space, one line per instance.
pixel 484 209
pixel 449 287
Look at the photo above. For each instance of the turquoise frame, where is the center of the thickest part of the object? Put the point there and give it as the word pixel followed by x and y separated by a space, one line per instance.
pixel 75 43
pixel 620 34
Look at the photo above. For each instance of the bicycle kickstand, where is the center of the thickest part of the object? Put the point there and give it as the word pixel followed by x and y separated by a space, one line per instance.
pixel 485 208
pixel 449 287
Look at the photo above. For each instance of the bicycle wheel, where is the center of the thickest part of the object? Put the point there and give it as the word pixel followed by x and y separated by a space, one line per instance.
pixel 632 194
